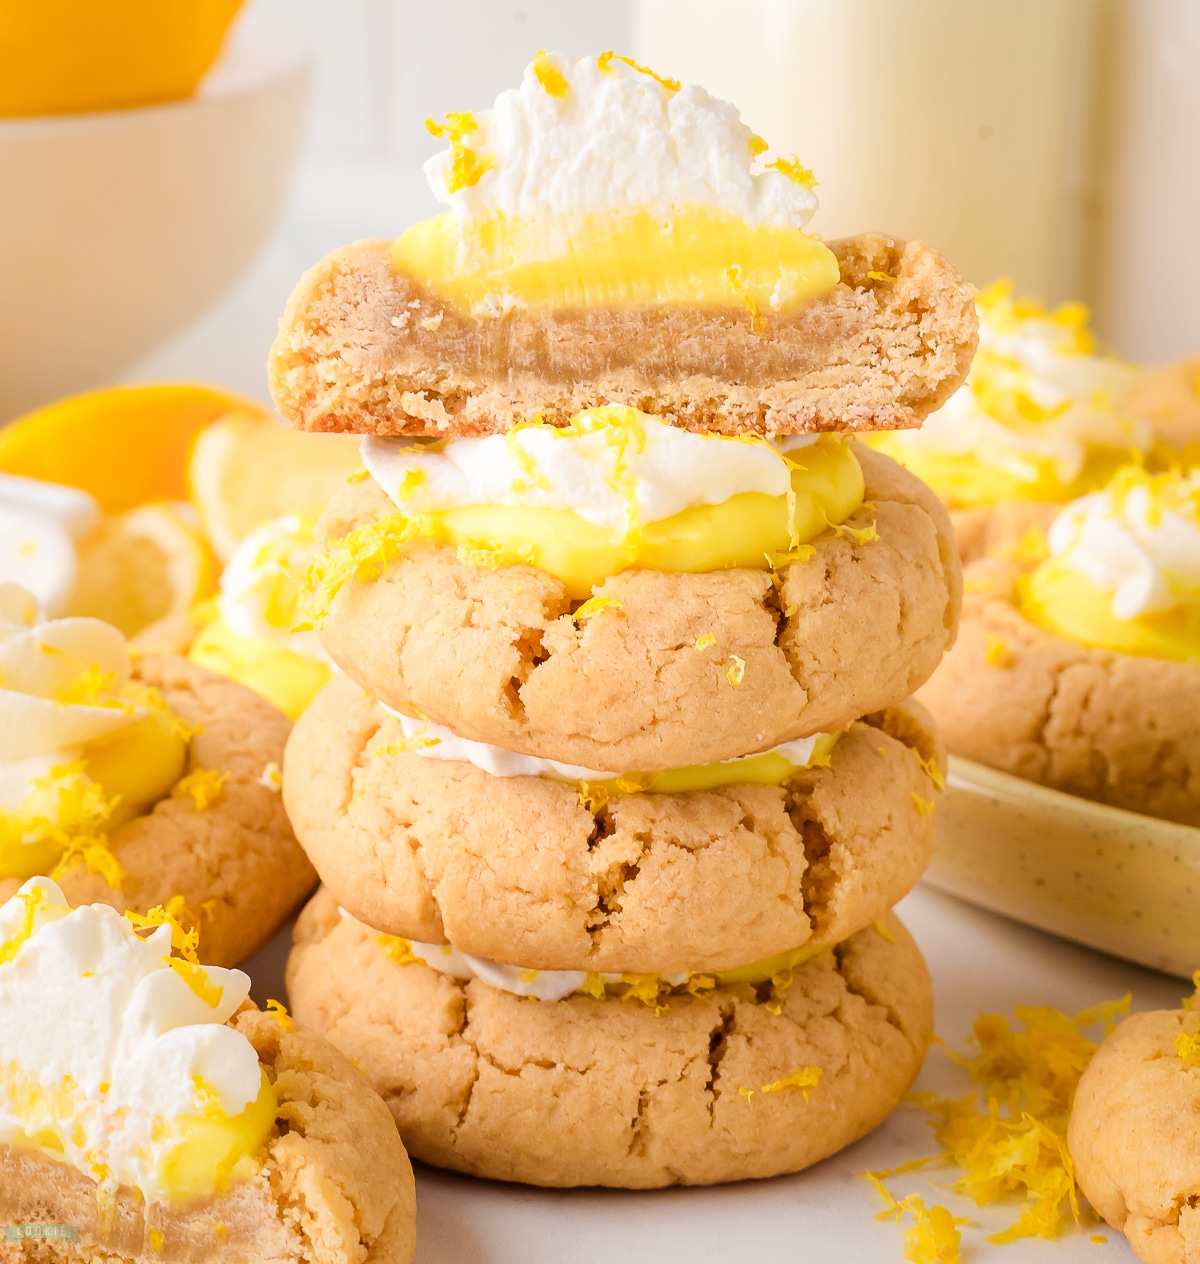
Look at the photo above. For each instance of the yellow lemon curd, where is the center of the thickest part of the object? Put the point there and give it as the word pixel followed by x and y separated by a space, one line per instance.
pixel 289 680
pixel 1067 603
pixel 117 778
pixel 697 257
pixel 751 529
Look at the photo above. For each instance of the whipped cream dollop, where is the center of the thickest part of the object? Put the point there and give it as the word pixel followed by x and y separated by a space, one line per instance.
pixel 107 1041
pixel 62 687
pixel 593 135
pixel 433 741
pixel 1138 539
pixel 606 473
pixel 260 586
pixel 40 526
pixel 1036 392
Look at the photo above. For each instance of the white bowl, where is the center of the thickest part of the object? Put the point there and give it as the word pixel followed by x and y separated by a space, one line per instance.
pixel 117 229
pixel 1114 880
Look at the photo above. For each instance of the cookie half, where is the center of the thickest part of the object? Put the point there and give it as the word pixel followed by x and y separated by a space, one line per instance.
pixel 364 347
pixel 688 669
pixel 714 1087
pixel 334 1182
pixel 1117 728
pixel 517 869
pixel 235 862
pixel 1135 1134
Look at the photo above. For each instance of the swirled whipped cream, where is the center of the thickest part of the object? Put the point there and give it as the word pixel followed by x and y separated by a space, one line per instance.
pixel 591 135
pixel 1138 539
pixel 260 586
pixel 613 465
pixel 1039 408
pixel 40 526
pixel 109 1045
pixel 433 741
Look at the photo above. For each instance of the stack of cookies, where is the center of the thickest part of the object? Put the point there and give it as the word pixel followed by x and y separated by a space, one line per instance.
pixel 621 779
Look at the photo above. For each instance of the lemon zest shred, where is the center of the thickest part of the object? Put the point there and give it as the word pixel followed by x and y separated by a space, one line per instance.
pixel 196 977
pixel 932 769
pixel 933 1237
pixel 882 276
pixel 737 281
pixel 174 913
pixel 548 75
pixel 703 642
pixel 757 145
pixel 279 1012
pixel 923 806
pixel 884 931
pixel 1187 1046
pixel 398 950
pixel 735 673
pixel 466 166
pixel 795 171
pixel 803 1078
pixel 34 901
pixel 605 64
pixel 359 476
pixel 202 785
pixel 156 1241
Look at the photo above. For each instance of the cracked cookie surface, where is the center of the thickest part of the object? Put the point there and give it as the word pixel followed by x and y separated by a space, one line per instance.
pixel 497 656
pixel 1135 1135
pixel 609 1092
pixel 334 1187
pixel 1116 728
pixel 236 863
pixel 363 347
pixel 517 869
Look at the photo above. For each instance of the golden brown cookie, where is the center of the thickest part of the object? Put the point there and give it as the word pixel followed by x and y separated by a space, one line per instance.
pixel 364 348
pixel 516 869
pixel 335 1183
pixel 1112 727
pixel 1169 399
pixel 611 1092
pixel 236 862
pixel 999 530
pixel 1135 1134
pixel 495 654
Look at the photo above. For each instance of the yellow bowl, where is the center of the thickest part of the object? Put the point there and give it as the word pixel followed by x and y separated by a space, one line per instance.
pixel 72 56
pixel 1117 881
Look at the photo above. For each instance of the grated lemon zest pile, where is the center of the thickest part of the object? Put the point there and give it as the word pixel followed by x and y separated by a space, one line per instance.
pixel 795 171
pixel 398 950
pixel 1016 1147
pixel 278 1011
pixel 933 1236
pixel 184 941
pixel 202 785
pixel 996 652
pixel 735 673
pixel 1005 314
pixel 594 606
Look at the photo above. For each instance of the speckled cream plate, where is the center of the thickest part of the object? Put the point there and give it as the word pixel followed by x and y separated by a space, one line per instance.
pixel 1114 880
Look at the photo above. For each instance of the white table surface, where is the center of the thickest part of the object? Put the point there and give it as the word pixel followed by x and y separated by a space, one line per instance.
pixel 980 963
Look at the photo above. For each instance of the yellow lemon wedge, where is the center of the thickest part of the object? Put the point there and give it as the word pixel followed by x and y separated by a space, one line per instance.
pixel 70 56
pixel 246 471
pixel 125 445
pixel 138 567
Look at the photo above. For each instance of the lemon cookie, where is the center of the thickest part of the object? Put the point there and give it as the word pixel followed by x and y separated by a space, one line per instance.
pixel 148 1112
pixel 1082 672
pixel 138 783
pixel 433 838
pixel 738 1080
pixel 1135 1134
pixel 658 667
pixel 613 238
pixel 1169 401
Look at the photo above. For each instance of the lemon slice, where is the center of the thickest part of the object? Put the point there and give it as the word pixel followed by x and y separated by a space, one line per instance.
pixel 126 445
pixel 138 567
pixel 246 471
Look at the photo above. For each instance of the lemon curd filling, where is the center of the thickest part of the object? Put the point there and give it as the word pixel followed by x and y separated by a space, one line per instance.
pixel 552 985
pixel 289 680
pixel 696 257
pixel 615 490
pixel 1124 568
